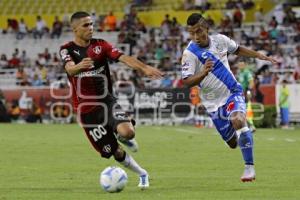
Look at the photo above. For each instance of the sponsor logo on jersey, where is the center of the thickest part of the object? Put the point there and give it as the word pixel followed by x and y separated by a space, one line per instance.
pixel 120 115
pixel 90 73
pixel 230 106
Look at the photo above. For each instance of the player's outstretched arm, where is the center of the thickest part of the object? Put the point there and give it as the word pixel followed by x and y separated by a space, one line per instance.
pixel 73 69
pixel 243 51
pixel 197 78
pixel 138 65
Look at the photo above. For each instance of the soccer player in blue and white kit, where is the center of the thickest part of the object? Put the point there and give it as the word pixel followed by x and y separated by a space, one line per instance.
pixel 205 63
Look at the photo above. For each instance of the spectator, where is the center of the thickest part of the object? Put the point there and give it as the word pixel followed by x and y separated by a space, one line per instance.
pixel 226 23
pixel 142 2
pixel 140 26
pixel 22 30
pixel 3 61
pixel 284 105
pixel 177 81
pixel 55 59
pixel 40 28
pixel 175 27
pixel 266 77
pixel 166 82
pixel 273 23
pixel 259 15
pixel 291 61
pixel 230 4
pixel 15 110
pixel 4 116
pixel 12 26
pixel 210 21
pixel 35 115
pixel 14 62
pixel 46 55
pixel 56 28
pixel 110 22
pixel 273 33
pixel 36 82
pixel 290 16
pixel 237 17
pixel 202 4
pixel 25 60
pixel 94 19
pixel 281 38
pixel 279 13
pixel 166 26
pixel 188 5
pixel 159 52
pixel 248 4
pixel 22 78
pixel 245 76
pixel 297 72
pixel 263 35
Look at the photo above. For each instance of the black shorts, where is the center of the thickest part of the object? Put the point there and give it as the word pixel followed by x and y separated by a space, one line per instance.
pixel 100 125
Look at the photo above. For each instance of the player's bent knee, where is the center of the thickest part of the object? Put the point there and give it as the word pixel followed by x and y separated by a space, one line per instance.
pixel 233 145
pixel 233 142
pixel 126 132
pixel 238 121
pixel 119 154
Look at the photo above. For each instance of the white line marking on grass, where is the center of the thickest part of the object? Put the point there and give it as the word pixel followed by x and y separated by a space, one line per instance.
pixel 289 140
pixel 186 130
pixel 271 139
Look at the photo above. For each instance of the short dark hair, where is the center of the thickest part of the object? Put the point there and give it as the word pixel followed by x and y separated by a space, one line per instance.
pixel 194 19
pixel 78 15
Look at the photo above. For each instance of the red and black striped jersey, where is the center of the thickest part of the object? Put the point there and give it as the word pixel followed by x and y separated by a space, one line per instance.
pixel 92 86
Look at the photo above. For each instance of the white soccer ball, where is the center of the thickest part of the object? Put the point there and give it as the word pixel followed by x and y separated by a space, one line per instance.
pixel 113 179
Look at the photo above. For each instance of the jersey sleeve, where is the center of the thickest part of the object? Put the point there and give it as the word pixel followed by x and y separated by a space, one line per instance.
pixel 65 55
pixel 232 46
pixel 188 64
pixel 112 52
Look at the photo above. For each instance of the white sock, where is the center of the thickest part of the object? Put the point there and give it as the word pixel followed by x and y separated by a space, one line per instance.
pixel 240 131
pixel 131 164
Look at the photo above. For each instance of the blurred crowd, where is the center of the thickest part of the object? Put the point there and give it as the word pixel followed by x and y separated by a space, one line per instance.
pixel 39 71
pixel 162 47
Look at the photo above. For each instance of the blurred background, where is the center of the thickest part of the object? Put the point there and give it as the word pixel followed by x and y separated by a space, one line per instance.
pixel 34 86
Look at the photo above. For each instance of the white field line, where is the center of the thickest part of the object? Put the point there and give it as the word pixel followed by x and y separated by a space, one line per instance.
pixel 289 140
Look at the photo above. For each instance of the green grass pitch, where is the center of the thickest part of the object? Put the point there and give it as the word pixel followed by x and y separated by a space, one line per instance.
pixel 40 162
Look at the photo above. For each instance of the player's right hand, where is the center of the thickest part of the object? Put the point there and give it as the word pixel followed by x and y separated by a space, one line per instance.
pixel 86 63
pixel 208 66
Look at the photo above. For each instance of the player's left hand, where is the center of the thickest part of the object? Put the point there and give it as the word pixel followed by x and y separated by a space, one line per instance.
pixel 264 57
pixel 152 72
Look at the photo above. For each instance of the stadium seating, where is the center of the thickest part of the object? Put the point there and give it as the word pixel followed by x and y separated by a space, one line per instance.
pixel 9 7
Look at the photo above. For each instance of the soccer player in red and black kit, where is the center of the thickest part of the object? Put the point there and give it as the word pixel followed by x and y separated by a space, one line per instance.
pixel 86 63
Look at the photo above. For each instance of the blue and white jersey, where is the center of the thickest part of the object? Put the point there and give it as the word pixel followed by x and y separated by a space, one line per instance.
pixel 220 83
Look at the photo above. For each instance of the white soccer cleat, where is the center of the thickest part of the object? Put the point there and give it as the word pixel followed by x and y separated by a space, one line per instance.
pixel 249 174
pixel 144 182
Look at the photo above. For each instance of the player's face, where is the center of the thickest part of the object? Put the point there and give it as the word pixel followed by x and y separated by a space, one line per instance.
pixel 84 28
pixel 199 34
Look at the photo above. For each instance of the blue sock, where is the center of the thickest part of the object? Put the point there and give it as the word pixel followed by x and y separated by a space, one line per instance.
pixel 245 142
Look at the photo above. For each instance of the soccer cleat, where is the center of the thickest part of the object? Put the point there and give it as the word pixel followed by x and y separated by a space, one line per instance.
pixel 132 145
pixel 144 181
pixel 249 174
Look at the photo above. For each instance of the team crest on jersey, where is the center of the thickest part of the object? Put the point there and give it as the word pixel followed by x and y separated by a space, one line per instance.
pixel 97 49
pixel 107 148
